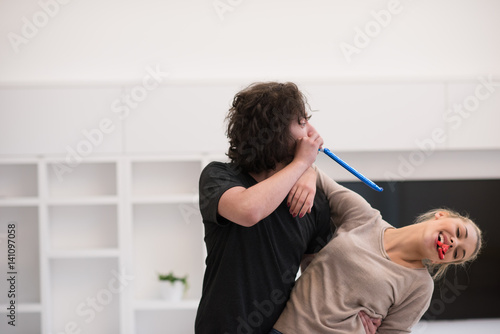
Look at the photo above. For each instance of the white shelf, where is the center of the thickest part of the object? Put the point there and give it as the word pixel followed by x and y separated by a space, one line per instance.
pixel 84 254
pixel 23 308
pixel 143 305
pixel 19 201
pixel 96 200
pixel 167 199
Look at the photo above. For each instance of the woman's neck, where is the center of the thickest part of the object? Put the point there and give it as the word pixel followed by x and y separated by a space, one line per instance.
pixel 402 246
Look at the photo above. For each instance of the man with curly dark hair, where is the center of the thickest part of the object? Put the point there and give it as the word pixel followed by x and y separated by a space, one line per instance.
pixel 258 230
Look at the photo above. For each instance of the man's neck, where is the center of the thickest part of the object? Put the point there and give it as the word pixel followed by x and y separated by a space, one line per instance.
pixel 259 177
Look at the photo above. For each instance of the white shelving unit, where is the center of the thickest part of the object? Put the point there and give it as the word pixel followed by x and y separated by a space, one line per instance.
pixel 19 204
pixel 81 214
pixel 91 242
pixel 165 221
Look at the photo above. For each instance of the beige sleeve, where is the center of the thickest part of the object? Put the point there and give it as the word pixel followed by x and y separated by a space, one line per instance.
pixel 345 204
pixel 403 316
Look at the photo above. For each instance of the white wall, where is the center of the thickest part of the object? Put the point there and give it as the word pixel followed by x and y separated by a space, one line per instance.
pixel 67 67
pixel 113 40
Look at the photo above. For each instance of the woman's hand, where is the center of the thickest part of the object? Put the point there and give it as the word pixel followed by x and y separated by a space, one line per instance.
pixel 370 324
pixel 301 196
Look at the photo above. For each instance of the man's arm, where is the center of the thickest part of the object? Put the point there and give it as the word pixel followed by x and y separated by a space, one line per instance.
pixel 248 206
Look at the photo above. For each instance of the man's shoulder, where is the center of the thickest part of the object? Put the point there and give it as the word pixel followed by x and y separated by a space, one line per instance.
pixel 218 166
pixel 217 169
pixel 222 175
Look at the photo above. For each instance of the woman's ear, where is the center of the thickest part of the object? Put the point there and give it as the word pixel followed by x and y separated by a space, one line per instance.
pixel 441 214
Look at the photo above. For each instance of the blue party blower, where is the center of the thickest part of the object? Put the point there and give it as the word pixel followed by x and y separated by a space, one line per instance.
pixel 360 176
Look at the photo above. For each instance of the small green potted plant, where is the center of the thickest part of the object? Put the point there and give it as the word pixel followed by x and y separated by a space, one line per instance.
pixel 172 288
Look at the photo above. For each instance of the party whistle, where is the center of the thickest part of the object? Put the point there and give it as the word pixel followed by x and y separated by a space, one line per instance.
pixel 360 176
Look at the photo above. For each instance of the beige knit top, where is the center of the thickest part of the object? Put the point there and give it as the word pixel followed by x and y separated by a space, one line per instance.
pixel 353 273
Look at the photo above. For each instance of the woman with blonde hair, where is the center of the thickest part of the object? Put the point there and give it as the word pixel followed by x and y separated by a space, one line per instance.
pixel 369 267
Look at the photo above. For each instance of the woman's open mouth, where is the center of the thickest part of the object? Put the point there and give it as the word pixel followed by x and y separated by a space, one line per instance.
pixel 442 248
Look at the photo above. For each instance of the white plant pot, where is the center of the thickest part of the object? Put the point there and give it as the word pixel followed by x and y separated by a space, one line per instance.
pixel 172 291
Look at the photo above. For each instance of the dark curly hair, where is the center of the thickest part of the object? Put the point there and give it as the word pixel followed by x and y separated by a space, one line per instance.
pixel 259 125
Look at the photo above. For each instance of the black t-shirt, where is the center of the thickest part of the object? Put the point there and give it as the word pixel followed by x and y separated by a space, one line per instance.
pixel 250 271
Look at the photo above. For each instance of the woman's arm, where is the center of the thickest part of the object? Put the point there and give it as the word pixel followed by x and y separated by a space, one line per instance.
pixel 301 197
pixel 345 204
pixel 403 316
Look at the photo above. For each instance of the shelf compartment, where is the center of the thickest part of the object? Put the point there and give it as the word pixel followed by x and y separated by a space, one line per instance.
pixel 165 178
pixel 18 181
pixel 81 227
pixel 27 260
pixel 19 201
pixel 176 241
pixel 157 321
pixel 86 292
pixel 84 180
pixel 26 323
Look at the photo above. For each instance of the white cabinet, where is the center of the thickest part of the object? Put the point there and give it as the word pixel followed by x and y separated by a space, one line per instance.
pixel 91 243
pixel 183 118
